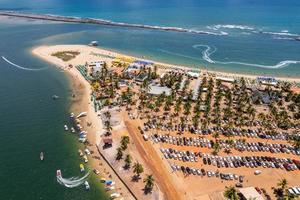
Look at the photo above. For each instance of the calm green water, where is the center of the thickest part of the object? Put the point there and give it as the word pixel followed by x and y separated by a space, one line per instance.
pixel 31 122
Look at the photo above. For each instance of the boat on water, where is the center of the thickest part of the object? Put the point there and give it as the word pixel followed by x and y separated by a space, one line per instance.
pixel 115 195
pixel 54 97
pixel 42 156
pixel 58 173
pixel 85 159
pixel 87 151
pixel 72 115
pixel 83 140
pixel 81 166
pixel 93 43
pixel 66 127
pixel 82 114
pixel 80 153
pixel 110 183
pixel 102 180
pixel 109 188
pixel 86 185
pixel 72 129
pixel 96 171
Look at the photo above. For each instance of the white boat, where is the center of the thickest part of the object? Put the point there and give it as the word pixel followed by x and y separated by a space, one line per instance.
pixel 82 140
pixel 72 129
pixel 42 156
pixel 72 115
pixel 55 97
pixel 115 195
pixel 85 159
pixel 58 173
pixel 80 153
pixel 93 43
pixel 66 127
pixel 87 152
pixel 82 114
pixel 87 185
pixel 110 188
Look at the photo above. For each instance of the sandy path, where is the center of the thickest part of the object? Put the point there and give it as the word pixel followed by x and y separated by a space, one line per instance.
pixel 153 161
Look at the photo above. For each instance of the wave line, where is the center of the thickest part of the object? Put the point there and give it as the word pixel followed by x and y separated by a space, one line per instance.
pixel 206 53
pixel 20 67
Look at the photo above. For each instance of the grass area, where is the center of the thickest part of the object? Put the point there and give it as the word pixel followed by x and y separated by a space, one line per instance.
pixel 66 55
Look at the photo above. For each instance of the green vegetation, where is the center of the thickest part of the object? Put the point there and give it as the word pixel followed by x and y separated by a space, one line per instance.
pixel 66 55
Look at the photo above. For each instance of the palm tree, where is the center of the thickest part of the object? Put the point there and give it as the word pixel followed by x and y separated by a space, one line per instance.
pixel 216 148
pixel 119 153
pixel 128 161
pixel 296 142
pixel 149 183
pixel 108 125
pixel 107 115
pixel 178 105
pixel 282 184
pixel 138 169
pixel 124 142
pixel 231 193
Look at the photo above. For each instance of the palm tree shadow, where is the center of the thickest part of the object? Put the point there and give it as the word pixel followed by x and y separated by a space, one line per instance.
pixel 135 178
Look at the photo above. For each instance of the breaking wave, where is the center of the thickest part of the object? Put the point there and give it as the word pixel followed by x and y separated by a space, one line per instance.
pixel 20 67
pixel 230 26
pixel 72 182
pixel 208 51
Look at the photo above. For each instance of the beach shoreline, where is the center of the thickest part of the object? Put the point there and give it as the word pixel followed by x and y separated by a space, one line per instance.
pixel 81 89
pixel 85 49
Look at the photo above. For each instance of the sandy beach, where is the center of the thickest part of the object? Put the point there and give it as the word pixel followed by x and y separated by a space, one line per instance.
pixel 90 53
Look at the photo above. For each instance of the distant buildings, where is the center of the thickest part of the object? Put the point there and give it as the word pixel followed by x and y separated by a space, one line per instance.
pixel 96 67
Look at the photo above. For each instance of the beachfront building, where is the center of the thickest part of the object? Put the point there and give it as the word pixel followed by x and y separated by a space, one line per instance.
pixel 192 74
pixel 96 67
pixel 267 80
pixel 225 79
pixel 250 193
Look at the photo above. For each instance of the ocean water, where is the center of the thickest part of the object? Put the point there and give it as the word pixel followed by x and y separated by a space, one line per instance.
pixel 249 36
pixel 260 40
pixel 31 122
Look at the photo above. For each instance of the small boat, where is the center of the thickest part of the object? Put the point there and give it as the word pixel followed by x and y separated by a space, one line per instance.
pixel 87 185
pixel 42 156
pixel 110 188
pixel 58 173
pixel 102 180
pixel 96 171
pixel 72 115
pixel 66 127
pixel 109 183
pixel 81 168
pixel 72 129
pixel 87 151
pixel 115 195
pixel 93 43
pixel 80 153
pixel 55 97
pixel 85 159
pixel 83 140
pixel 82 114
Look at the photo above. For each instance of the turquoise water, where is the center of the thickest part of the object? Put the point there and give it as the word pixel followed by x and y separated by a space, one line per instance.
pixel 30 121
pixel 257 36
